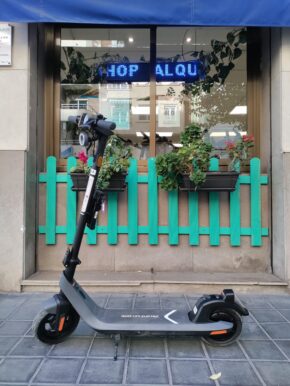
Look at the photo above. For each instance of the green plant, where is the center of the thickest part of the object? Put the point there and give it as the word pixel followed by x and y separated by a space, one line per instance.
pixel 239 151
pixel 116 160
pixel 193 159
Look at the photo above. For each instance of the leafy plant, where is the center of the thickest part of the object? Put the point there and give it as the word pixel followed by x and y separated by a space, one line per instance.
pixel 239 151
pixel 116 160
pixel 193 159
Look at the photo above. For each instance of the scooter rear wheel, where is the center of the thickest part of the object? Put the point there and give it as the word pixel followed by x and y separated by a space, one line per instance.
pixel 226 315
pixel 44 326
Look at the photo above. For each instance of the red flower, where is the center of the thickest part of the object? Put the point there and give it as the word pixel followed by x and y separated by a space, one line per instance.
pixel 230 145
pixel 248 138
pixel 83 157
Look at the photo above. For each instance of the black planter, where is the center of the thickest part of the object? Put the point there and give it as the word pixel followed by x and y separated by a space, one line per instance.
pixel 80 181
pixel 117 182
pixel 214 182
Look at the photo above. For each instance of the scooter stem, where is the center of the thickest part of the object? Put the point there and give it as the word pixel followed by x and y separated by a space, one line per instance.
pixel 86 209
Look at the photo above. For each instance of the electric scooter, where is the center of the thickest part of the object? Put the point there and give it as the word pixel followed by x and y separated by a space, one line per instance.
pixel 216 318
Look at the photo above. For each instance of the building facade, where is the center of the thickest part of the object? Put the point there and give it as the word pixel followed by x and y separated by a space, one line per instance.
pixel 42 88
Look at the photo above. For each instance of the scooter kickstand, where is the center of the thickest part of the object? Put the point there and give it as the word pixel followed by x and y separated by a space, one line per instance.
pixel 117 339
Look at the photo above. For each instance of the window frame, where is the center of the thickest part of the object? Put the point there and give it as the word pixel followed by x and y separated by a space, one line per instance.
pixel 50 44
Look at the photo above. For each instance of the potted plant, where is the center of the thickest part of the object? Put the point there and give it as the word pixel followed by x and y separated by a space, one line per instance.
pixel 80 173
pixel 187 167
pixel 239 151
pixel 113 171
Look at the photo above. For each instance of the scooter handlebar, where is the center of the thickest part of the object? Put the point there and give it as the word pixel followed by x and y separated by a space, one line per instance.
pixel 93 121
pixel 106 125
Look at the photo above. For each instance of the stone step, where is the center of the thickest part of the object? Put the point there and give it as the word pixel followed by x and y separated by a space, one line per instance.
pixel 47 281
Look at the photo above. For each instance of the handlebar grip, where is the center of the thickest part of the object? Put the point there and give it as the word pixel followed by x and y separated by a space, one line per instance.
pixel 106 125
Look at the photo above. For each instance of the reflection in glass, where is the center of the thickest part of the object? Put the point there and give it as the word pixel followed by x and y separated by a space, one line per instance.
pixel 85 57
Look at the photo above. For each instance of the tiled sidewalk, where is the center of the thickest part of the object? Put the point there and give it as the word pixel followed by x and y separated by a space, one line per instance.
pixel 261 357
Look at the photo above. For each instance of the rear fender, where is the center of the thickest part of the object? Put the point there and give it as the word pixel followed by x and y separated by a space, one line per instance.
pixel 206 305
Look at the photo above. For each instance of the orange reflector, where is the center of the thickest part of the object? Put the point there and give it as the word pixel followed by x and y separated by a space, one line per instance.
pixel 220 332
pixel 61 323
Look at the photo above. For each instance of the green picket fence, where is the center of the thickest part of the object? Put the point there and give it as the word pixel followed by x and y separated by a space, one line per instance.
pixel 235 231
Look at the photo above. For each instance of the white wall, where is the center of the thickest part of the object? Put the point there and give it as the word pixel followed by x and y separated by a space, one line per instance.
pixel 280 127
pixel 14 94
pixel 14 112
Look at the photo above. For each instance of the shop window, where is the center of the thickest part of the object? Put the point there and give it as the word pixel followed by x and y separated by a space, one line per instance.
pixel 185 75
pixel 217 99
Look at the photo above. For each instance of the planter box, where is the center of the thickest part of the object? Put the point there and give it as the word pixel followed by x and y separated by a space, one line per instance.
pixel 214 182
pixel 117 182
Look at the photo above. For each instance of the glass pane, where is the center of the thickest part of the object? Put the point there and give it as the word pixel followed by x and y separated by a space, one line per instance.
pixel 216 99
pixel 89 59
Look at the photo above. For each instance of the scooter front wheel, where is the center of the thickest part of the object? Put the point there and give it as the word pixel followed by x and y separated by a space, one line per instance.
pixel 225 339
pixel 45 329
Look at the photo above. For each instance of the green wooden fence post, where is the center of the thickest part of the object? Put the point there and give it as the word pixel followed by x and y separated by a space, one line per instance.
pixel 132 179
pixel 173 217
pixel 235 215
pixel 112 218
pixel 71 204
pixel 152 202
pixel 193 218
pixel 256 223
pixel 51 200
pixel 214 210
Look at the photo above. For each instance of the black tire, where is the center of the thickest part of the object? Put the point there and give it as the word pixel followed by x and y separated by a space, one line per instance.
pixel 43 326
pixel 226 315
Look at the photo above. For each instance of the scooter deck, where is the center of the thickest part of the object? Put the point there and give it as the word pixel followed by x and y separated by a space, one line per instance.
pixel 142 320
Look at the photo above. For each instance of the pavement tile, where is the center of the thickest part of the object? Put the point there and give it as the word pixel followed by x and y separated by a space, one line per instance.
pixel 18 370
pixel 262 350
pixel 14 328
pixel 104 347
pixel 31 346
pixel 228 352
pixel 72 347
pixel 252 331
pixel 280 302
pixel 6 344
pixel 28 310
pixel 274 373
pixel 147 347
pixel 277 330
pixel 120 301
pixel 267 316
pixel 235 373
pixel 176 302
pixel 286 314
pixel 147 301
pixel 285 346
pixel 59 370
pixel 147 371
pixel 255 301
pixel 190 373
pixel 192 299
pixel 184 348
pixel 10 303
pixel 103 371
